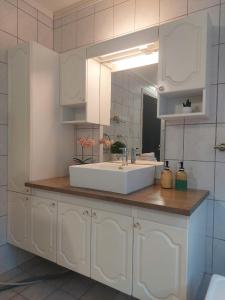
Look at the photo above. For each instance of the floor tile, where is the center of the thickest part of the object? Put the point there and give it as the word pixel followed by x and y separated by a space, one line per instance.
pixel 7 295
pixel 18 297
pixel 60 295
pixel 121 296
pixel 100 291
pixel 39 291
pixel 78 285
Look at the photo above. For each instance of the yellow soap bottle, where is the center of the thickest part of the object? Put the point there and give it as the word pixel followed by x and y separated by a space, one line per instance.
pixel 166 180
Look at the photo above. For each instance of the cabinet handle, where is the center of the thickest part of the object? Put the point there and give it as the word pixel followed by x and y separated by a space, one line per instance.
pixel 161 88
pixel 94 215
pixel 53 204
pixel 86 213
pixel 137 225
pixel 27 198
pixel 220 147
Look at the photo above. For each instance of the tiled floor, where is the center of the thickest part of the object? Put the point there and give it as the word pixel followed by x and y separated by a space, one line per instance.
pixel 68 287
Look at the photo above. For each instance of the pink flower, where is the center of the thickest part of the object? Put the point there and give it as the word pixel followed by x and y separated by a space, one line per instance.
pixel 86 142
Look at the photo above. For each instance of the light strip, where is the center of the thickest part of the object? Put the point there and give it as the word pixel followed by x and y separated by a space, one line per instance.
pixel 135 61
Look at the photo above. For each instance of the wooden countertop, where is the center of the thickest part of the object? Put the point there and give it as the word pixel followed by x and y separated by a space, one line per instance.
pixel 178 202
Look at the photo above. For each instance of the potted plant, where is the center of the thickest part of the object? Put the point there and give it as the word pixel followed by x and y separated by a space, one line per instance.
pixel 85 143
pixel 187 107
pixel 116 150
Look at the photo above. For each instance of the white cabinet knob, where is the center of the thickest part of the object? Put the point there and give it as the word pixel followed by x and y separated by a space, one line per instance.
pixel 53 204
pixel 94 215
pixel 161 88
pixel 86 213
pixel 137 225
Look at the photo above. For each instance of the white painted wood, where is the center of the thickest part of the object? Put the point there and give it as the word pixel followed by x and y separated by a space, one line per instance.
pixel 160 258
pixel 43 227
pixel 18 118
pixel 19 220
pixel 111 250
pixel 74 237
pixel 183 53
pixel 105 95
pixel 38 145
pixel 72 76
pixel 93 91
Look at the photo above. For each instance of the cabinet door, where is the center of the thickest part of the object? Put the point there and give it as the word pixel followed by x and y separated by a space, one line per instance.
pixel 73 77
pixel 111 250
pixel 74 238
pixel 43 227
pixel 105 95
pixel 18 123
pixel 183 51
pixel 159 261
pixel 18 220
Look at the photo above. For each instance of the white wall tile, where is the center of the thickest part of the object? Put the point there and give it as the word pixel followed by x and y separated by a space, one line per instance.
pixel 3 170
pixel 27 27
pixel 3 78
pixel 200 175
pixel 209 219
pixel 69 36
pixel 6 41
pixel 27 8
pixel 103 5
pixel 222 63
pixel 214 14
pixel 174 142
pixel 3 109
pixel 8 17
pixel 194 5
pixel 146 13
pixel 221 103
pixel 209 254
pixel 124 15
pixel 3 139
pixel 220 139
pixel 219 257
pixel 219 220
pixel 85 31
pixel 3 226
pixel 103 32
pixel 58 39
pixel 45 19
pixel 222 24
pixel 3 201
pixel 219 181
pixel 199 141
pixel 45 35
pixel 171 9
pixel 213 76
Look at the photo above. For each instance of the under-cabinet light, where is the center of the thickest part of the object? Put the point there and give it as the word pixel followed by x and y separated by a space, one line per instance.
pixel 135 61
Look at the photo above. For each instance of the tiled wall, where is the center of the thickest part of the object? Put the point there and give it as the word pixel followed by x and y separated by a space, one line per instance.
pixel 192 142
pixel 19 22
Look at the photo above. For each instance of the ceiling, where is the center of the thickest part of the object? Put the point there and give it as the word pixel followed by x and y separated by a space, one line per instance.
pixel 54 5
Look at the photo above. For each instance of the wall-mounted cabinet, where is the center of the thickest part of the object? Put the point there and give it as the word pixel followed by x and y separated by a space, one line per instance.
pixel 85 93
pixel 184 47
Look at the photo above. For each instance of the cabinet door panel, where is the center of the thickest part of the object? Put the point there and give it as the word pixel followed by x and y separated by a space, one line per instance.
pixel 111 251
pixel 18 123
pixel 183 50
pixel 43 227
pixel 74 238
pixel 159 262
pixel 73 77
pixel 18 220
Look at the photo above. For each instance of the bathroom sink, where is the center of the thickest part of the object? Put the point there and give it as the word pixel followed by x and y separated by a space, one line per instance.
pixel 112 177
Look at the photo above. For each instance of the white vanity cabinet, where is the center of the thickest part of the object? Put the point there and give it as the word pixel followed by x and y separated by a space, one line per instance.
pixel 111 251
pixel 74 237
pixel 19 220
pixel 38 145
pixel 85 89
pixel 43 220
pixel 159 261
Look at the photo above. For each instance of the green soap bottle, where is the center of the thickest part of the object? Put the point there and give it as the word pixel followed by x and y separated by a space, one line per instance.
pixel 181 178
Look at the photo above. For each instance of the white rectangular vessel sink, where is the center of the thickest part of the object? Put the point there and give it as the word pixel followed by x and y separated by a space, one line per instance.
pixel 111 177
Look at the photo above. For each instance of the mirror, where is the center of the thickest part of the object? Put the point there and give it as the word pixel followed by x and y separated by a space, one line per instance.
pixel 134 112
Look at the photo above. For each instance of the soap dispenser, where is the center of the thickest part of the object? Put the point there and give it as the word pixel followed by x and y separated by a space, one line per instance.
pixel 181 178
pixel 166 179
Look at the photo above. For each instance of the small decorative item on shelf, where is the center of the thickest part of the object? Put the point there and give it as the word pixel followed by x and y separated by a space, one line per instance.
pixel 85 143
pixel 187 107
pixel 116 150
